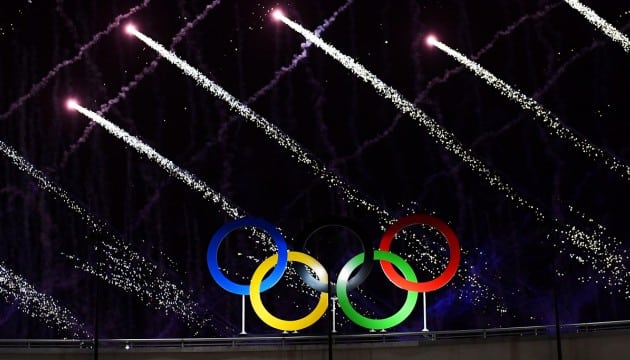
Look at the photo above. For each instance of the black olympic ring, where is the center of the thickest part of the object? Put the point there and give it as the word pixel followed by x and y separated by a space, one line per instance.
pixel 357 231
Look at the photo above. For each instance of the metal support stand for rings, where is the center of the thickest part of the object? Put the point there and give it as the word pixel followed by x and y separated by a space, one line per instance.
pixel 243 332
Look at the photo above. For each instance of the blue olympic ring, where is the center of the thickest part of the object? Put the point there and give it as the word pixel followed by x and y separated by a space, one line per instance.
pixel 223 231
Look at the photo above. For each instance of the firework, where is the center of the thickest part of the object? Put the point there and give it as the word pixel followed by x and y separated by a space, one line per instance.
pixel 601 24
pixel 551 122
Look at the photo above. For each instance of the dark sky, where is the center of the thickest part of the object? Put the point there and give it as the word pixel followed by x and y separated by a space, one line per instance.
pixel 511 261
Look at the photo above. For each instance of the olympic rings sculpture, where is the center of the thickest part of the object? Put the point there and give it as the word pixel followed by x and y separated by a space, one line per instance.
pixel 271 270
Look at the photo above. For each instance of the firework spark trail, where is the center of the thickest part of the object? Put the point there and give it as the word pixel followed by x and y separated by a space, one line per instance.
pixel 15 289
pixel 550 81
pixel 179 37
pixel 149 285
pixel 592 242
pixel 119 266
pixel 551 121
pixel 175 171
pixel 601 24
pixel 52 188
pixel 429 261
pixel 44 81
pixel 499 35
pixel 270 130
pixel 104 108
pixel 298 57
pixel 444 77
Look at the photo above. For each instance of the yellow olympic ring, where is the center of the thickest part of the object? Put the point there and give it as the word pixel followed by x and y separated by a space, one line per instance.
pixel 266 316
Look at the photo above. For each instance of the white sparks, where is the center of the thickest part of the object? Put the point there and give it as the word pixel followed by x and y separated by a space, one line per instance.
pixel 15 289
pixel 601 24
pixel 51 187
pixel 120 266
pixel 181 174
pixel 550 120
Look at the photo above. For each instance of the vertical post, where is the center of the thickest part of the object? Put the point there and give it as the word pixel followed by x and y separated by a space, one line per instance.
pixel 330 322
pixel 557 316
pixel 334 316
pixel 96 300
pixel 424 311
pixel 243 332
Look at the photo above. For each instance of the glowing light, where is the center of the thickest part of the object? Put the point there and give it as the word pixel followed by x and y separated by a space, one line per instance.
pixel 71 104
pixel 431 39
pixel 603 251
pixel 601 24
pixel 551 121
pixel 277 14
pixel 130 29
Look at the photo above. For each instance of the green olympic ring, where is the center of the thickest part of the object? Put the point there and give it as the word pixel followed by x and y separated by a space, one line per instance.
pixel 361 320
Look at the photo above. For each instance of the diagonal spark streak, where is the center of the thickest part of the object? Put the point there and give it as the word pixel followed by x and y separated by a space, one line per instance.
pixel 175 171
pixel 121 261
pixel 601 24
pixel 51 187
pixel 605 257
pixel 14 288
pixel 550 120
pixel 298 57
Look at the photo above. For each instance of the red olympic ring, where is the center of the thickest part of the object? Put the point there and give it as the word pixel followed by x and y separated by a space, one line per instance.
pixel 453 246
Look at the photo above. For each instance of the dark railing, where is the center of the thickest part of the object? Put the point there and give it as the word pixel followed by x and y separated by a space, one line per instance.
pixel 296 339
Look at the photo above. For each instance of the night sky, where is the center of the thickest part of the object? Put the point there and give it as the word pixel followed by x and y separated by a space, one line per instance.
pixel 156 229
